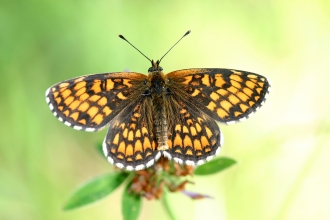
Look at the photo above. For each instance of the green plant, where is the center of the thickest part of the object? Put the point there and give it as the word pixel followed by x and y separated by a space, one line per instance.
pixel 152 183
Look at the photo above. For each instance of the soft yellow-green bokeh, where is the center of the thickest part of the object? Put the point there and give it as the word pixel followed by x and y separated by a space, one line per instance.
pixel 282 151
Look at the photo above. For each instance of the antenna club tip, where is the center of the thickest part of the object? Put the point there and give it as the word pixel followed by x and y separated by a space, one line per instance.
pixel 188 32
pixel 121 36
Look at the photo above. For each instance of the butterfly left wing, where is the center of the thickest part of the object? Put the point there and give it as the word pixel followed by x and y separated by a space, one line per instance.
pixel 90 102
pixel 226 95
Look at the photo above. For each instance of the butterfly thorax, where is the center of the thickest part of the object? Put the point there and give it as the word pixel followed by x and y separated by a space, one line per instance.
pixel 157 87
pixel 157 84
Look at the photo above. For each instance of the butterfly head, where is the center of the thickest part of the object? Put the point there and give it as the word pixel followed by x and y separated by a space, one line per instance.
pixel 155 66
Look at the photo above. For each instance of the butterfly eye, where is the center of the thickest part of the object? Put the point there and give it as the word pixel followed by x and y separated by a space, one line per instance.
pixel 168 91
pixel 154 69
pixel 146 92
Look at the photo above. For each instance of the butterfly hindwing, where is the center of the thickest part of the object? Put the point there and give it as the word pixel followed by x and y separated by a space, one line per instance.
pixel 193 137
pixel 90 102
pixel 226 95
pixel 130 142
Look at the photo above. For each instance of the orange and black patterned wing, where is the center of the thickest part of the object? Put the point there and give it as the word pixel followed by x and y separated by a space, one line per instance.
pixel 130 142
pixel 226 95
pixel 193 137
pixel 90 102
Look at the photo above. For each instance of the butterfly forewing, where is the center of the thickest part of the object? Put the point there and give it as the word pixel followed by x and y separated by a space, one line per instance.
pixel 226 95
pixel 90 102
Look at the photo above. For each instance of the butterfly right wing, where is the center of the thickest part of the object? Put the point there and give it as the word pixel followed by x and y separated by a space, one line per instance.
pixel 226 95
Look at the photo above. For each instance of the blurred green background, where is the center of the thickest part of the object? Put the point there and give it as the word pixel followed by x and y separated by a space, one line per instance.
pixel 283 151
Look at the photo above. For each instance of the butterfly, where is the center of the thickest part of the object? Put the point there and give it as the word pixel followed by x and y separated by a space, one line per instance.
pixel 172 115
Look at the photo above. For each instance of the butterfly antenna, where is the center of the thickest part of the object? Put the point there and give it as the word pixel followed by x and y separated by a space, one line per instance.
pixel 122 37
pixel 188 32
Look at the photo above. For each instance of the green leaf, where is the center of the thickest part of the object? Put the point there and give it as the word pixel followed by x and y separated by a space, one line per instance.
pixel 167 206
pixel 214 166
pixel 131 204
pixel 95 189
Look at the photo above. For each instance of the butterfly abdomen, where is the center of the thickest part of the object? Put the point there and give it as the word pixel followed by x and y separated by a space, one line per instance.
pixel 160 129
pixel 158 93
